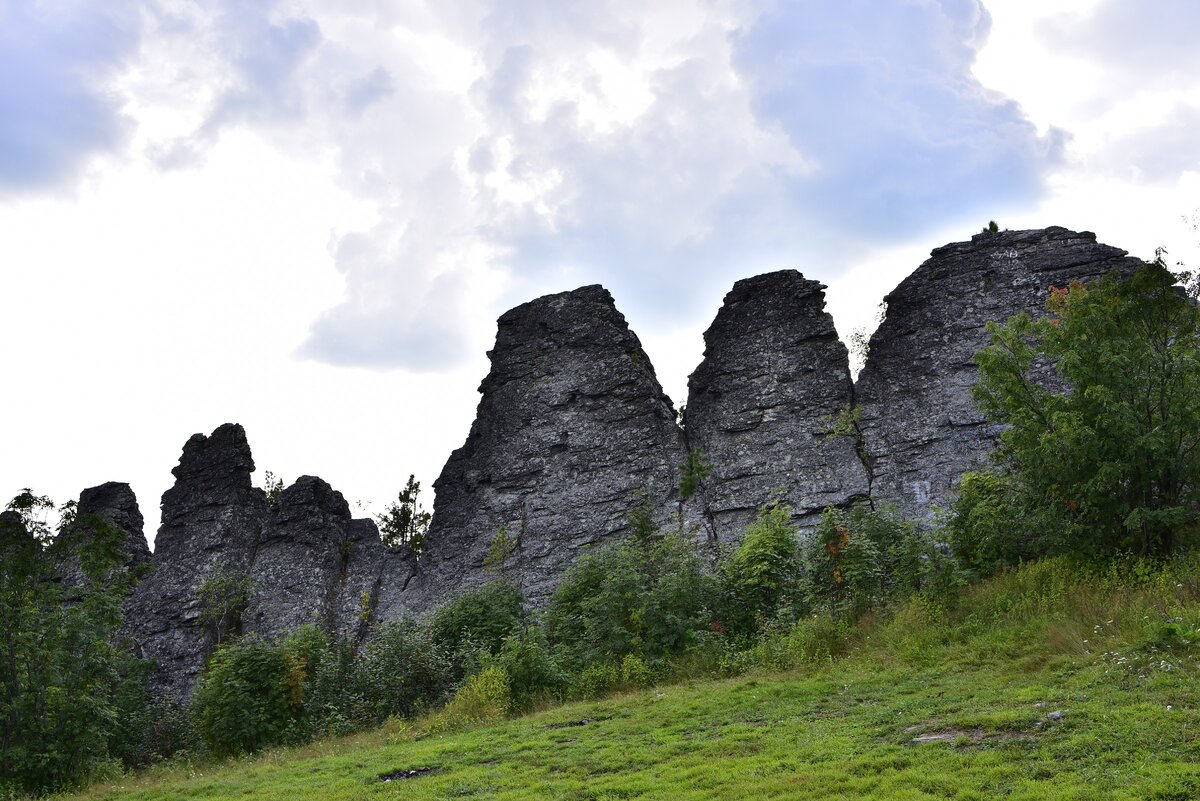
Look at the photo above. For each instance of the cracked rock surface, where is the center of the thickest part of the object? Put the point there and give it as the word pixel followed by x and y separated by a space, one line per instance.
pixel 762 404
pixel 571 423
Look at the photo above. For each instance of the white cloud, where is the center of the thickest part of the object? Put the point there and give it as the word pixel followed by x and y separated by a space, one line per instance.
pixel 56 110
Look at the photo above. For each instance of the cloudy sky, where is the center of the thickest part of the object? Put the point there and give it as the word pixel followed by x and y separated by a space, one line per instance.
pixel 306 215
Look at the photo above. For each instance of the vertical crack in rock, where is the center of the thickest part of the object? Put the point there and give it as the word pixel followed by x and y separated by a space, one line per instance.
pixel 920 425
pixel 572 422
pixel 763 403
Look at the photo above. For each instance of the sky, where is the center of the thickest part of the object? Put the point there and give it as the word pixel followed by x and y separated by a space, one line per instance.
pixel 305 216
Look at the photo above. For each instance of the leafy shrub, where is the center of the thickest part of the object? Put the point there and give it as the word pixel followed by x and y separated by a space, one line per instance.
pixel 762 577
pixel 401 671
pixel 483 699
pixel 989 528
pixel 595 681
pixel 64 682
pixel 477 620
pixel 249 698
pixel 533 675
pixel 1116 454
pixel 635 672
pixel 861 559
pixel 328 689
pixel 223 596
pixel 639 596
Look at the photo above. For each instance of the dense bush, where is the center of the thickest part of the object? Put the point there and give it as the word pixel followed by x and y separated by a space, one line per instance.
pixel 991 526
pixel 762 578
pixel 1115 455
pixel 861 559
pixel 644 596
pixel 484 698
pixel 533 674
pixel 476 622
pixel 401 671
pixel 251 697
pixel 64 681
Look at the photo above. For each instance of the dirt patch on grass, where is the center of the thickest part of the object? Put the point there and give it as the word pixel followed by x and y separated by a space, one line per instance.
pixel 571 724
pixel 405 773
pixel 965 737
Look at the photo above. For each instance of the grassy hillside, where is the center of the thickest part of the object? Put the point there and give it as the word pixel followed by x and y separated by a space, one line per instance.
pixel 1049 682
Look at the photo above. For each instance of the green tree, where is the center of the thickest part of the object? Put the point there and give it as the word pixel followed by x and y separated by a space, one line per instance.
pixel 762 577
pixel 223 596
pixel 1114 458
pixel 405 521
pixel 643 596
pixel 61 670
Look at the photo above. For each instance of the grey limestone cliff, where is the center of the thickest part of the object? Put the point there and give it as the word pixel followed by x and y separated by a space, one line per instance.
pixel 920 427
pixel 762 404
pixel 572 423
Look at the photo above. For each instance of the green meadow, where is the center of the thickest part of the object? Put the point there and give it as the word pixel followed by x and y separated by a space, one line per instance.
pixel 1051 681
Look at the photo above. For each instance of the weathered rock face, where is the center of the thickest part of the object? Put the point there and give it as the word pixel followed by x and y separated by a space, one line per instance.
pixel 306 560
pixel 297 567
pixel 212 519
pixel 114 504
pixel 920 427
pixel 572 423
pixel 761 405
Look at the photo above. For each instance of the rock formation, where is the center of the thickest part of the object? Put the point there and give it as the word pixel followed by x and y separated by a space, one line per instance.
pixel 211 522
pixel 762 405
pixel 572 424
pixel 115 503
pixel 111 504
pixel 297 566
pixel 920 428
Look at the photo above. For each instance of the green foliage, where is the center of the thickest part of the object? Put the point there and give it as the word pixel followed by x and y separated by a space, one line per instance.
pixel 477 621
pixel 635 672
pixel 639 596
pixel 485 698
pixel 223 596
pixel 595 680
pixel 405 521
pixel 1105 645
pixel 861 559
pixel 401 671
pixel 991 227
pixel 250 697
pixel 1116 457
pixel 762 577
pixel 991 528
pixel 502 546
pixel 272 487
pixel 641 517
pixel 63 680
pixel 533 674
pixel 692 473
pixel 845 422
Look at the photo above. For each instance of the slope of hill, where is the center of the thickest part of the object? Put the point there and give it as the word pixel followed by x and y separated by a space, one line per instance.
pixel 1049 682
